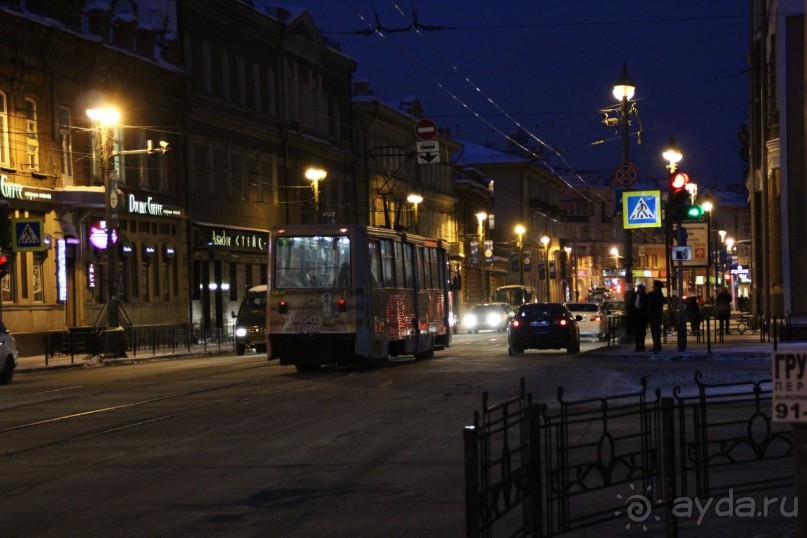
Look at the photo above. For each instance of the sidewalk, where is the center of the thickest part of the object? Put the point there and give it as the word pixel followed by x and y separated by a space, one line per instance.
pixel 748 348
pixel 34 363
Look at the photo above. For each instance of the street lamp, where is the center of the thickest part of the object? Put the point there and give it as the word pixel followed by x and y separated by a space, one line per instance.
pixel 623 91
pixel 315 175
pixel 105 120
pixel 415 199
pixel 545 241
pixel 707 207
pixel 729 248
pixel 568 251
pixel 520 232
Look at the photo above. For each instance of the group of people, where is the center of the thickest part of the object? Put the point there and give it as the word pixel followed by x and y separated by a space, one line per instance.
pixel 646 309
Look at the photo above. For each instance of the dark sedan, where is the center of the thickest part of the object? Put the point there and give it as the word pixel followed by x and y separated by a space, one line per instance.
pixel 543 326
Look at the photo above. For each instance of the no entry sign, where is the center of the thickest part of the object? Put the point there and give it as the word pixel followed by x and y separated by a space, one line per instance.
pixel 425 129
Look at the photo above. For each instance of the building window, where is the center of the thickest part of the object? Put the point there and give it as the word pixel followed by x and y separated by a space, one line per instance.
pixel 242 81
pixel 207 67
pixel 144 281
pixel 225 75
pixel 32 144
pixel 66 139
pixel 256 86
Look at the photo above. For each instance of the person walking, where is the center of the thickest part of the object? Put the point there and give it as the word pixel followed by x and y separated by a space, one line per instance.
pixel 723 310
pixel 694 315
pixel 655 311
pixel 637 316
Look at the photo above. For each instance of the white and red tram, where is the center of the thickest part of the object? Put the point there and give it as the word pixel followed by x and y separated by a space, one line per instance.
pixel 340 294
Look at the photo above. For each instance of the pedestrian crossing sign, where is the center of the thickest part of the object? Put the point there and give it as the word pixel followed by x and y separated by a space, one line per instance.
pixel 641 209
pixel 28 234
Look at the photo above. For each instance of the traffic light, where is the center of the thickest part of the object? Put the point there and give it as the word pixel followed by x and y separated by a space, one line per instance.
pixel 678 200
pixel 692 211
pixel 5 265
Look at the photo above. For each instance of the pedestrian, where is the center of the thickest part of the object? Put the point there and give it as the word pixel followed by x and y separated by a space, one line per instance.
pixel 637 316
pixel 694 315
pixel 655 311
pixel 723 310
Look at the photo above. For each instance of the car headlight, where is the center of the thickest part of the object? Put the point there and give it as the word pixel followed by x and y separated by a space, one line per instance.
pixel 470 320
pixel 240 331
pixel 494 319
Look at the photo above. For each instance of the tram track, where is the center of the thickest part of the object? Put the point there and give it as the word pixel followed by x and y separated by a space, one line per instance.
pixel 139 408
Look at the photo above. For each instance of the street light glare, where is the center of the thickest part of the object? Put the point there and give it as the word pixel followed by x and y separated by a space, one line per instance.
pixel 414 198
pixel 520 229
pixel 105 116
pixel 315 174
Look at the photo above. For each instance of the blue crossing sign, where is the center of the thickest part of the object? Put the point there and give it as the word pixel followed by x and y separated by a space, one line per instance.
pixel 642 209
pixel 28 235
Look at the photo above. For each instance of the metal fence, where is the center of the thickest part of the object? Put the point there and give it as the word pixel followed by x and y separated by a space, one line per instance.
pixel 90 341
pixel 532 470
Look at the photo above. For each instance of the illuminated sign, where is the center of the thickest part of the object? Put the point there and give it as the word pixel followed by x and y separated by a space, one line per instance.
pixel 237 239
pixel 21 192
pixel 150 207
pixel 90 275
pixel 98 235
pixel 61 270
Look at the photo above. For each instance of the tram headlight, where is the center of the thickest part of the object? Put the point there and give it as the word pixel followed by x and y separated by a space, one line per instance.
pixel 240 332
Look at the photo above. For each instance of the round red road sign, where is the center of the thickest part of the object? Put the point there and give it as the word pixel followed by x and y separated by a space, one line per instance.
pixel 425 129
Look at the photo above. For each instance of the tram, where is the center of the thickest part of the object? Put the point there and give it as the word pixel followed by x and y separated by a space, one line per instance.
pixel 340 294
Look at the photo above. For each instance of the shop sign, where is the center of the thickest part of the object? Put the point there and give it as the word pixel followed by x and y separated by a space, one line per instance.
pixel 15 191
pixel 150 207
pixel 90 275
pixel 98 235
pixel 61 270
pixel 227 238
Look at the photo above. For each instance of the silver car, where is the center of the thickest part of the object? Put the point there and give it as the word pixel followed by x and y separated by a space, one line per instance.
pixel 8 355
pixel 594 323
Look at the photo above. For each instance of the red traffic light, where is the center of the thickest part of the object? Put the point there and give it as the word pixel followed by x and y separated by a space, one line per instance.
pixel 679 180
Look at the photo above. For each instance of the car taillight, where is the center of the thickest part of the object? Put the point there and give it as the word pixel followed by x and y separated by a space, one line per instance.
pixel 562 322
pixel 515 323
pixel 282 307
pixel 341 305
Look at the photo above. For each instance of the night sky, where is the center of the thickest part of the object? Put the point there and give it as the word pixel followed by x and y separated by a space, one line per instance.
pixel 482 67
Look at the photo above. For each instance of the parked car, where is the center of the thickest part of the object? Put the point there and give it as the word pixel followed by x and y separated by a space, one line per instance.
pixel 543 326
pixel 8 355
pixel 488 316
pixel 594 323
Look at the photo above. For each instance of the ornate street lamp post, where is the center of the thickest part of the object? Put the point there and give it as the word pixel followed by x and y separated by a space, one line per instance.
pixel 315 175
pixel 520 242
pixel 545 241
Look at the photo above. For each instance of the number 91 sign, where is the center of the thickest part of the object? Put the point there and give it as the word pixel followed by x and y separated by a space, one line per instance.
pixel 789 386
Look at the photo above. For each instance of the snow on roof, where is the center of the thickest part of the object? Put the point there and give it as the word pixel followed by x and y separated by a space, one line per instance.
pixel 475 154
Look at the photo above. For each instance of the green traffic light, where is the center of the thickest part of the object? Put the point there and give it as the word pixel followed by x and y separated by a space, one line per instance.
pixel 694 211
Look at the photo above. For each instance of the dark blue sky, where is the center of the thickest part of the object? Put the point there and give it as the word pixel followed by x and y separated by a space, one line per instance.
pixel 550 64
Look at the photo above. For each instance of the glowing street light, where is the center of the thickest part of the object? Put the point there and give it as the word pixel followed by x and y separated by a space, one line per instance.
pixel 545 240
pixel 315 175
pixel 105 120
pixel 415 199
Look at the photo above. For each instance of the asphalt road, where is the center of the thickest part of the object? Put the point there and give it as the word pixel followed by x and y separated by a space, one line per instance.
pixel 240 446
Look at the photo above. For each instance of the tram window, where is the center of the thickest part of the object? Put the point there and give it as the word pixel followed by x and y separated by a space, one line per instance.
pixel 421 269
pixel 399 274
pixel 375 263
pixel 409 266
pixel 435 268
pixel 311 262
pixel 427 280
pixel 387 263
